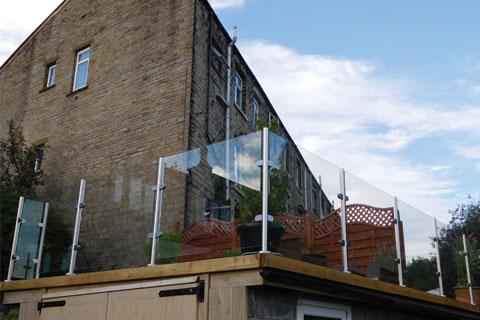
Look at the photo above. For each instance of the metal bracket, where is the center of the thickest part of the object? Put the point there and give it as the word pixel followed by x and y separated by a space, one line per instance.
pixel 340 196
pixel 35 260
pixel 398 261
pixel 162 187
pixel 15 258
pixel 21 220
pixel 199 291
pixel 82 205
pixel 158 235
pixel 51 304
pixel 40 225
pixel 259 163
pixel 438 274
pixel 342 243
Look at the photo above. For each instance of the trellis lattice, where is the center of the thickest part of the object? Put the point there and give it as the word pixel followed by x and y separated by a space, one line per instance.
pixel 293 224
pixel 327 224
pixel 213 226
pixel 356 213
pixel 379 217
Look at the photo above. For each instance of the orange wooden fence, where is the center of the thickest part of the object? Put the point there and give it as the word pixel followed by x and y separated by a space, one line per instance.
pixel 367 228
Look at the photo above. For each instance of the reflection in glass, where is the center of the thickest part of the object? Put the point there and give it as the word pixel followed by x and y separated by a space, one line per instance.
pixel 28 240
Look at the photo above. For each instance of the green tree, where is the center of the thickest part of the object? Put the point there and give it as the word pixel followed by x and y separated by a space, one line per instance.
pixel 421 274
pixel 18 177
pixel 465 220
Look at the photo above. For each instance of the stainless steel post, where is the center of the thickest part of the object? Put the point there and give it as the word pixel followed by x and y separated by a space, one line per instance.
pixel 437 250
pixel 396 220
pixel 158 210
pixel 78 220
pixel 19 221
pixel 42 225
pixel 344 241
pixel 265 184
pixel 467 265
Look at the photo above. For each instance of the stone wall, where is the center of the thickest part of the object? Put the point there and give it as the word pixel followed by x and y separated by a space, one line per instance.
pixel 135 109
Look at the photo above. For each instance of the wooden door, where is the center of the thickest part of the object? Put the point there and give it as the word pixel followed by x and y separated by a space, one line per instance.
pixel 81 307
pixel 145 304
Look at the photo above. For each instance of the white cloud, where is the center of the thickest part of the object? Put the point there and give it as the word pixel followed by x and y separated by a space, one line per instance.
pixel 476 90
pixel 340 109
pixel 221 4
pixel 20 18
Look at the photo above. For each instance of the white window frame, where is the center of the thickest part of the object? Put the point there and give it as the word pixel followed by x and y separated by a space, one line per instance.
pixel 323 309
pixel 49 77
pixel 238 89
pixel 77 63
pixel 256 106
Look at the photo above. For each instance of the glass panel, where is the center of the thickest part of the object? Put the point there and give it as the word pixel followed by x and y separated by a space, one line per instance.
pixel 84 55
pixel 28 240
pixel 206 191
pixel 51 79
pixel 82 70
pixel 420 253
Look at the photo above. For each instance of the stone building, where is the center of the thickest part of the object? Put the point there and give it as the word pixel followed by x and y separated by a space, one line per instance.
pixel 110 86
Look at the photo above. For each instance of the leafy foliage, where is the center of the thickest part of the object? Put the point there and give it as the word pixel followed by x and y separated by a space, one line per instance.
pixel 169 248
pixel 465 220
pixel 421 274
pixel 384 253
pixel 251 202
pixel 17 161
pixel 18 177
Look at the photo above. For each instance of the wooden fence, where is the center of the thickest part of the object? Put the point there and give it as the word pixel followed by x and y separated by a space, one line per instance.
pixel 369 229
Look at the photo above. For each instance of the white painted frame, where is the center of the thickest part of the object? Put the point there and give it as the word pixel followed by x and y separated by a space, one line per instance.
pixel 323 309
pixel 238 88
pixel 77 63
pixel 49 77
pixel 256 106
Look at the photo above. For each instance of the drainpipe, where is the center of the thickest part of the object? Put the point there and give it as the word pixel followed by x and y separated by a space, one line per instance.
pixel 227 113
pixel 209 80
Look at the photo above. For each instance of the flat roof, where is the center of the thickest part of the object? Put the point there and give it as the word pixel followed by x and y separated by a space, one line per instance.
pixel 266 264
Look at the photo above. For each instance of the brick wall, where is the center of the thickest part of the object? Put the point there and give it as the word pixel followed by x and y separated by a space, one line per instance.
pixel 135 109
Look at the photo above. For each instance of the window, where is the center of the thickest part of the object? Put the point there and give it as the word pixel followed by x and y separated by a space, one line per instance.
pixel 298 176
pixel 81 69
pixel 317 310
pixel 255 113
pixel 51 71
pixel 39 157
pixel 238 90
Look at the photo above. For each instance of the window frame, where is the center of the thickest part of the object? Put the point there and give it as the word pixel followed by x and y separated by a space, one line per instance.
pixel 306 307
pixel 39 157
pixel 238 89
pixel 49 74
pixel 256 108
pixel 77 64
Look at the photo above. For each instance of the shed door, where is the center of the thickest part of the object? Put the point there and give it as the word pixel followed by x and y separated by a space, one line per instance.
pixel 120 303
pixel 82 307
pixel 146 304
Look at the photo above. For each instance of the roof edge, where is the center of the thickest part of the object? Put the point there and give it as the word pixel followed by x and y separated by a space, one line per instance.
pixel 32 34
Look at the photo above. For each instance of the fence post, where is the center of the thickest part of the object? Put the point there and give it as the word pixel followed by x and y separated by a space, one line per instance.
pixel 397 222
pixel 265 186
pixel 42 225
pixel 19 221
pixel 467 265
pixel 344 241
pixel 78 220
pixel 437 250
pixel 156 234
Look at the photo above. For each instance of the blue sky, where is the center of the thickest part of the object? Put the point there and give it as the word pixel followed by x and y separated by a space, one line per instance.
pixel 388 90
